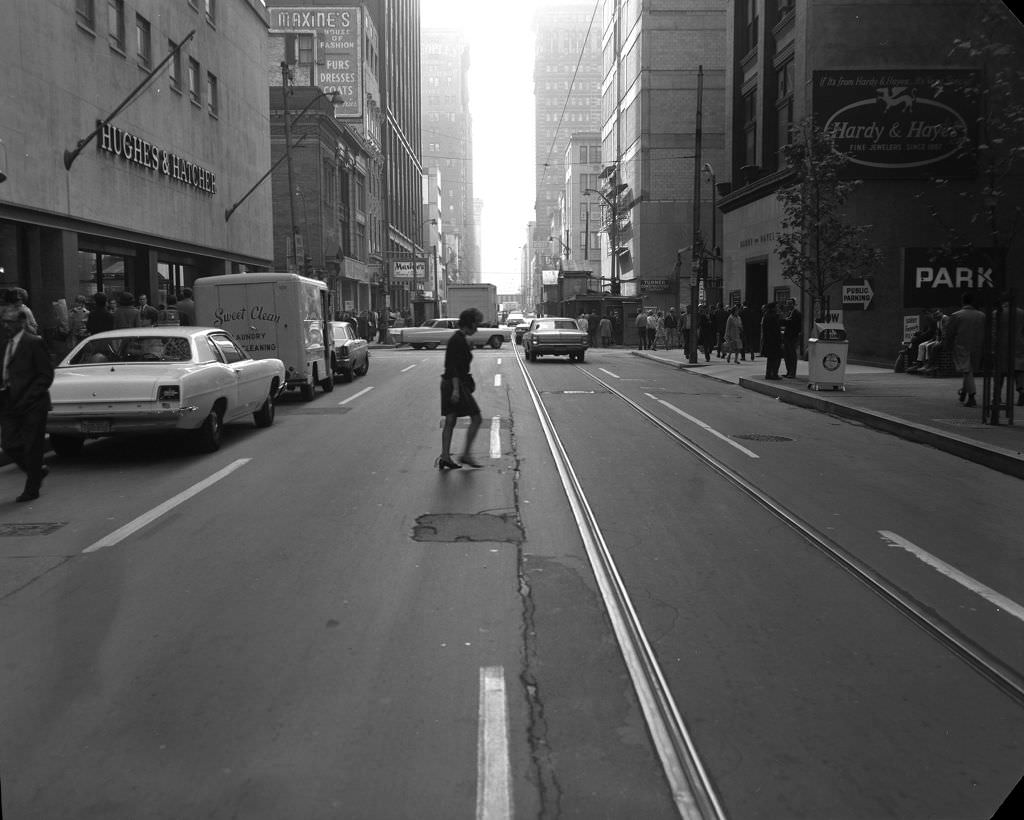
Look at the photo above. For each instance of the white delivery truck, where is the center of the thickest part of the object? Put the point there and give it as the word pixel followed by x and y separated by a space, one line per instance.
pixel 273 316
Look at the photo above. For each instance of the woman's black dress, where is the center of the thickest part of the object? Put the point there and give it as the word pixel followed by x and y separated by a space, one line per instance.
pixel 457 357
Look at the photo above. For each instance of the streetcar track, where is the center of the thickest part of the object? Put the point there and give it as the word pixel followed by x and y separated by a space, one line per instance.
pixel 985 664
pixel 692 791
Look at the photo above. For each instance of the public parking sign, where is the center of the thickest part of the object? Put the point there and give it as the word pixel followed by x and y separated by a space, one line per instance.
pixel 858 295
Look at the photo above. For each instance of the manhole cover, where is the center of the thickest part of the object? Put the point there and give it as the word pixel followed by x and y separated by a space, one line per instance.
pixel 761 437
pixel 30 529
pixel 449 527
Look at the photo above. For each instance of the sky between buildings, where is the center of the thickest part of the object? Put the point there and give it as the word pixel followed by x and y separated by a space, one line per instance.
pixel 501 103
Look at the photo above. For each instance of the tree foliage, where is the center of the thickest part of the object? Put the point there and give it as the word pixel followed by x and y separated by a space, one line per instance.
pixel 816 245
pixel 991 210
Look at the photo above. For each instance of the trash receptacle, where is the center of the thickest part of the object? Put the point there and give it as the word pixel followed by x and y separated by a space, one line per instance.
pixel 826 357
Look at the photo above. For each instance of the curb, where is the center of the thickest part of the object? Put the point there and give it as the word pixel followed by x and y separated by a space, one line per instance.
pixel 995 458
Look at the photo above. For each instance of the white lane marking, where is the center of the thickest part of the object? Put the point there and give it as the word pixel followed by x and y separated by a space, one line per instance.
pixel 499 360
pixel 355 395
pixel 410 367
pixel 148 518
pixel 613 375
pixel 704 426
pixel 496 437
pixel 989 594
pixel 493 795
pixel 497 380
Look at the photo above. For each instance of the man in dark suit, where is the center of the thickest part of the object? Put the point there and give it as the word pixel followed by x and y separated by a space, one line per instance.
pixel 24 398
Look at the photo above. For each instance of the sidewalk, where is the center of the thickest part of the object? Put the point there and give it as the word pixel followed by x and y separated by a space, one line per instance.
pixel 917 408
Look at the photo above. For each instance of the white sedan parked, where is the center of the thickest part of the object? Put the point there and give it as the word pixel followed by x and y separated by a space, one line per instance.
pixel 192 380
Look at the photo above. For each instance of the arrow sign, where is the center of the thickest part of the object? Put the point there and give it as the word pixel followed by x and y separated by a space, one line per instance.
pixel 854 295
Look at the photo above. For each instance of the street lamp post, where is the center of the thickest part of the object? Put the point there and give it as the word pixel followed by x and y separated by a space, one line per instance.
pixel 285 77
pixel 562 247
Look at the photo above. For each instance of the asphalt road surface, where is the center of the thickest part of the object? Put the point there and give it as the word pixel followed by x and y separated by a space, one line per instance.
pixel 661 596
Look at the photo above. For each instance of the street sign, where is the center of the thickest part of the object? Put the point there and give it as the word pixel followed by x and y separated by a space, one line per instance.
pixel 858 295
pixel 405 270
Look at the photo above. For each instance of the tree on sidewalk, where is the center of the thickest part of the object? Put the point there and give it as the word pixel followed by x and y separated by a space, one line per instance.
pixel 991 210
pixel 816 245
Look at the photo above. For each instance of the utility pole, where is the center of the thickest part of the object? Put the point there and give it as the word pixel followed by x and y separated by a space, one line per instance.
pixel 697 255
pixel 285 77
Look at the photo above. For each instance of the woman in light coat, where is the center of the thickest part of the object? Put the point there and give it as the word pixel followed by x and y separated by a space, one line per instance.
pixel 732 345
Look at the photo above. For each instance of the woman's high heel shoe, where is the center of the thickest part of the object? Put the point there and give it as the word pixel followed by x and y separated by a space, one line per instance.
pixel 446 464
pixel 469 461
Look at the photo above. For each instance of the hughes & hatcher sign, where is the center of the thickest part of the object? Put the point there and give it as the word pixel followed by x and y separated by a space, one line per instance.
pixel 138 151
pixel 900 123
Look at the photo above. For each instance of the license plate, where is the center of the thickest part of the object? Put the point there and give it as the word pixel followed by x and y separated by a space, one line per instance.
pixel 95 426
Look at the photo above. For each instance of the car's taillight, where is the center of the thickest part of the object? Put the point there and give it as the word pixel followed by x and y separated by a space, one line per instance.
pixel 168 392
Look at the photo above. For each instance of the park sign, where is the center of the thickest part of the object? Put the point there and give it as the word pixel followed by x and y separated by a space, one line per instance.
pixel 938 277
pixel 858 295
pixel 900 123
pixel 337 32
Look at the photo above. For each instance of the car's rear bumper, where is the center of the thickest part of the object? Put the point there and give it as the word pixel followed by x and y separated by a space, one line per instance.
pixel 112 424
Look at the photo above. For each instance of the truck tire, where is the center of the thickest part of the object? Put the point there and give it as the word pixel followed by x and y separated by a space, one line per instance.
pixel 432 346
pixel 306 391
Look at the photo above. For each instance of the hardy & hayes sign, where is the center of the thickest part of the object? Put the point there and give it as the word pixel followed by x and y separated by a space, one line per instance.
pixel 338 34
pixel 937 278
pixel 900 123
pixel 145 154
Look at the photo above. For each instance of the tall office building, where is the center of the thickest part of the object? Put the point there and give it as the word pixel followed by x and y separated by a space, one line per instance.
pixel 567 93
pixel 664 65
pixel 448 145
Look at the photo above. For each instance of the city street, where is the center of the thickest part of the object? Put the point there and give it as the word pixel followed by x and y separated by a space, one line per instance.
pixel 660 596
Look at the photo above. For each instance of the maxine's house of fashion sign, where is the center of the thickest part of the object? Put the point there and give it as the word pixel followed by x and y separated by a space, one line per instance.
pixel 900 123
pixel 338 36
pixel 137 151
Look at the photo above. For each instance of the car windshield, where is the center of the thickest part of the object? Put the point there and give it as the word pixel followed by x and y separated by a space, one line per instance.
pixel 121 349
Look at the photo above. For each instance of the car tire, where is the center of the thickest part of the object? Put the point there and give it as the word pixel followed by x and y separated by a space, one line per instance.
pixel 432 346
pixel 495 342
pixel 579 357
pixel 362 371
pixel 416 347
pixel 66 446
pixel 264 417
pixel 531 355
pixel 306 391
pixel 207 438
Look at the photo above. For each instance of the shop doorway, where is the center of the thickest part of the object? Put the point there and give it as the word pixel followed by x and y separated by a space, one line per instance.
pixel 756 285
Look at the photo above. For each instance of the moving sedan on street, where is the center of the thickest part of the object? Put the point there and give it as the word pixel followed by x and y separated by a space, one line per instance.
pixel 552 336
pixel 189 380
